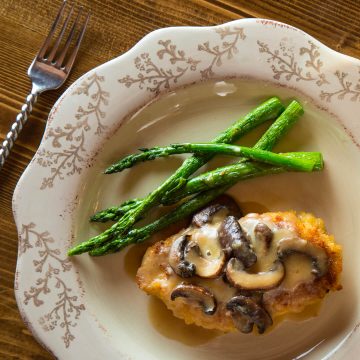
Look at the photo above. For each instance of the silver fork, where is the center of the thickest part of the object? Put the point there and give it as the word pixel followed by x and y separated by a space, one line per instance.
pixel 48 71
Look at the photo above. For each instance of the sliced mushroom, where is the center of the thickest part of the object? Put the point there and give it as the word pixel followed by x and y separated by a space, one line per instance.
pixel 318 256
pixel 246 308
pixel 223 202
pixel 235 242
pixel 255 295
pixel 198 294
pixel 241 279
pixel 230 204
pixel 263 238
pixel 243 324
pixel 205 216
pixel 208 259
pixel 177 260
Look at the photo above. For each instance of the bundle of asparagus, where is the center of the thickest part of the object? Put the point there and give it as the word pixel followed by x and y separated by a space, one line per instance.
pixel 202 189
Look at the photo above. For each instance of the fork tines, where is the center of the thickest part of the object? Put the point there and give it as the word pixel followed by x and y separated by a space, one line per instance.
pixel 56 52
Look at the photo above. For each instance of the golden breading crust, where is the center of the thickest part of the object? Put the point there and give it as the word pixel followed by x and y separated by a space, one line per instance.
pixel 156 277
pixel 312 229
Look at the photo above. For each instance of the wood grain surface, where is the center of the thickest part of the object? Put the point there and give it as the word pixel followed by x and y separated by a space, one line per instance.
pixel 115 26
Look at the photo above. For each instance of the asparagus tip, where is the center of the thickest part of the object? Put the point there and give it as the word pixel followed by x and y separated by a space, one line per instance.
pixel 109 170
pixel 72 252
pixel 94 218
pixel 76 250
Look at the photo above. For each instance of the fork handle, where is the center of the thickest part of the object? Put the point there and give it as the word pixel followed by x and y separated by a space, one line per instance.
pixel 17 126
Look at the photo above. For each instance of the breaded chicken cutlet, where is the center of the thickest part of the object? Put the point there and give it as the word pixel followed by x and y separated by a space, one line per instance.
pixel 228 272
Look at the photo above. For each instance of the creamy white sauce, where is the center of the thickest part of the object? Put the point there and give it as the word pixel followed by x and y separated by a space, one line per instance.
pixel 207 239
pixel 298 270
pixel 222 292
pixel 298 267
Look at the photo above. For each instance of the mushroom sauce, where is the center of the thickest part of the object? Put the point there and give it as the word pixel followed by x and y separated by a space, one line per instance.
pixel 227 271
pixel 281 261
pixel 298 266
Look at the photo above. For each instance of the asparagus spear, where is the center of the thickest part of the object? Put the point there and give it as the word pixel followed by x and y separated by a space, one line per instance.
pixel 220 176
pixel 291 162
pixel 266 111
pixel 267 157
pixel 226 174
pixel 266 142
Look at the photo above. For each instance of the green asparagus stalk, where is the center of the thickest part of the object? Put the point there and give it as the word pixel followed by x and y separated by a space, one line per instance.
pixel 267 157
pixel 266 111
pixel 269 110
pixel 220 176
pixel 280 127
pixel 268 140
pixel 291 163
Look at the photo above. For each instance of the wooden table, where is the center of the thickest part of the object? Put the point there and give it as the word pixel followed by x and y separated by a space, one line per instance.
pixel 116 25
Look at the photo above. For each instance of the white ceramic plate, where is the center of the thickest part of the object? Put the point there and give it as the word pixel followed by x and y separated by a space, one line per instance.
pixel 91 308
